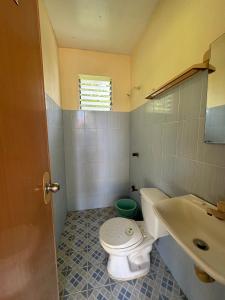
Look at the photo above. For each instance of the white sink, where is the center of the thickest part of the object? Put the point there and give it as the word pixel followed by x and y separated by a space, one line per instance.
pixel 186 219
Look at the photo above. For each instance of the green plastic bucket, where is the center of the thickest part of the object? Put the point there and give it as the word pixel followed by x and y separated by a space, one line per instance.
pixel 126 208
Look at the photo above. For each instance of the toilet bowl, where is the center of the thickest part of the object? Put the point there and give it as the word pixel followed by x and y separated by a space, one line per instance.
pixel 128 247
pixel 129 242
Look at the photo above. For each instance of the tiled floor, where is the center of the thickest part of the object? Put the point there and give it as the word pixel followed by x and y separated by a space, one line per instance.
pixel 82 265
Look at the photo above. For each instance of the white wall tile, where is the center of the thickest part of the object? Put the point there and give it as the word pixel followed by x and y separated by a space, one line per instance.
pixel 96 119
pixel 169 138
pixel 209 182
pixel 57 165
pixel 97 156
pixel 190 98
pixel 171 100
pixel 78 119
pixel 204 76
pixel 165 145
pixel 188 138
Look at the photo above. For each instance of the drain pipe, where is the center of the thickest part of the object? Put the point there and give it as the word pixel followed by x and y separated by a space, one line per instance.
pixel 202 275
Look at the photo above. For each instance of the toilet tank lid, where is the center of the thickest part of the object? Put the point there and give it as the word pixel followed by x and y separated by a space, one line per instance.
pixel 152 194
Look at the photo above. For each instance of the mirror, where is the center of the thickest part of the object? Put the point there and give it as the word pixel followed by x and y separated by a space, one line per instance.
pixel 215 110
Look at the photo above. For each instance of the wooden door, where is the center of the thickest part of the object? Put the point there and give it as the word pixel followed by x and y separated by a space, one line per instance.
pixel 27 251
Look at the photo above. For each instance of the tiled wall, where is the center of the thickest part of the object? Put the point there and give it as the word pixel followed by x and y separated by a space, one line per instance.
pixel 215 124
pixel 56 149
pixel 168 134
pixel 96 157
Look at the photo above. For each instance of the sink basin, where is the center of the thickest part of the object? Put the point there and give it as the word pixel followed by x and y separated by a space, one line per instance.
pixel 200 235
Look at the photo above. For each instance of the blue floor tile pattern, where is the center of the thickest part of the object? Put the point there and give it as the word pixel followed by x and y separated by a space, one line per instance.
pixel 82 264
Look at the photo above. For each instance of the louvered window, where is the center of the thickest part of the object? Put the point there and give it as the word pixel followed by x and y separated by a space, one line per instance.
pixel 95 92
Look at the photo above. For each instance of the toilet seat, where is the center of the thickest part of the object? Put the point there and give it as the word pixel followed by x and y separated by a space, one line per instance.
pixel 120 250
pixel 120 233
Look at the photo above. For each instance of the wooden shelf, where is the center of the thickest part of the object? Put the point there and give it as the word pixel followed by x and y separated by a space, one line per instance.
pixel 184 75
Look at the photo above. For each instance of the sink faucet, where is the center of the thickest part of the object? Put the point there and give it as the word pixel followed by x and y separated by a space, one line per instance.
pixel 219 213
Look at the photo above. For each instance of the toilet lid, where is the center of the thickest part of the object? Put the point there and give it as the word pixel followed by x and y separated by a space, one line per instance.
pixel 120 233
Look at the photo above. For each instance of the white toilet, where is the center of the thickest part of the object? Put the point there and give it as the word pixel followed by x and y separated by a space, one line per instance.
pixel 129 242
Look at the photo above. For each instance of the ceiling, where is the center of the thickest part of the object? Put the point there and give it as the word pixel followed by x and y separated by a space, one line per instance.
pixel 103 25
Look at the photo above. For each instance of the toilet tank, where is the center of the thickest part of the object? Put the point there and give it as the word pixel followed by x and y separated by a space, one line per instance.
pixel 149 196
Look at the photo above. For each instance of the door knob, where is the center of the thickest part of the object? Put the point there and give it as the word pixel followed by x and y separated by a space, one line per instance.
pixel 49 187
pixel 52 187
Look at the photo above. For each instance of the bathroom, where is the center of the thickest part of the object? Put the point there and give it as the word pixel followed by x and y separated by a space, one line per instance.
pixel 157 136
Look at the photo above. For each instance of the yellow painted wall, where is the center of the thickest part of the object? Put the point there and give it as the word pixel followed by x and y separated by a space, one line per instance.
pixel 49 55
pixel 178 34
pixel 73 62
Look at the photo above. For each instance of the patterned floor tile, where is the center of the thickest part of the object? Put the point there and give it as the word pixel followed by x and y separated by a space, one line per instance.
pixel 103 293
pixel 123 291
pixel 93 229
pixel 74 223
pixel 74 243
pixel 76 260
pixel 79 229
pixel 74 280
pixel 80 244
pixel 77 296
pixel 98 276
pixel 96 254
pixel 61 280
pixel 62 247
pixel 142 290
pixel 82 265
pixel 92 219
pixel 98 222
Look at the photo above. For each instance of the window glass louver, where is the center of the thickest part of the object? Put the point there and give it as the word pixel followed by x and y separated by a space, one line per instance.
pixel 95 92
